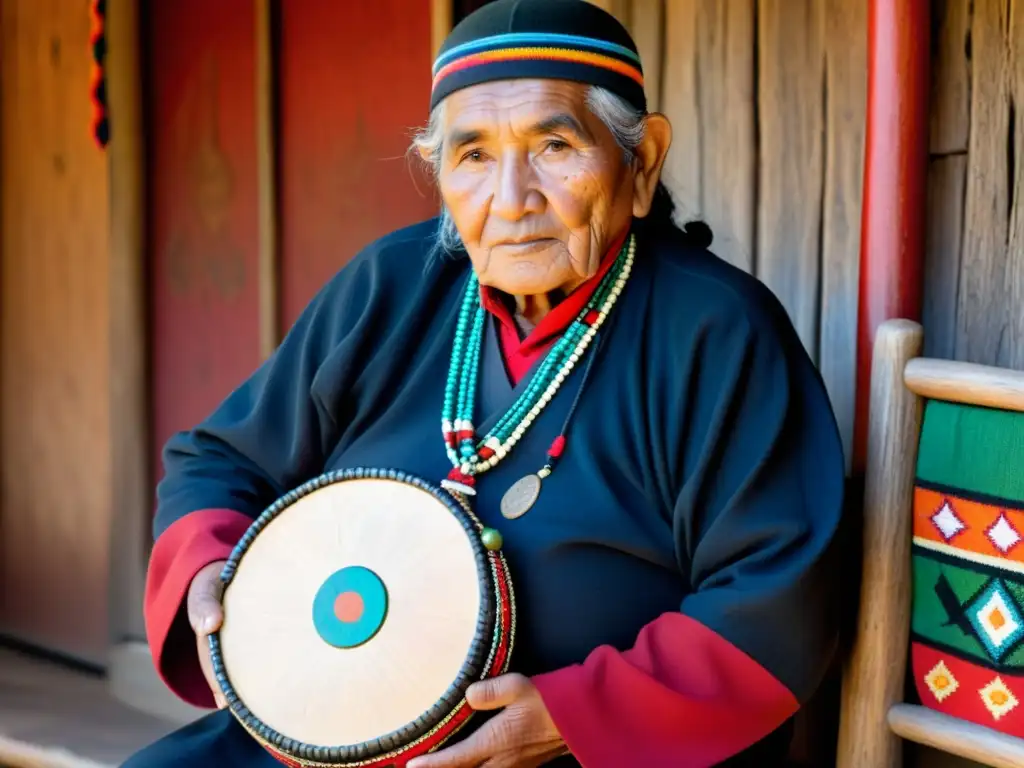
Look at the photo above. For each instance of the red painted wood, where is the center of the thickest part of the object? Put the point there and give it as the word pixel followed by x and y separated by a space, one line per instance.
pixel 895 177
pixel 354 83
pixel 203 210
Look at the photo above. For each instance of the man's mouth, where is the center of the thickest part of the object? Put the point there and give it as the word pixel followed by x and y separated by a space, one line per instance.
pixel 526 245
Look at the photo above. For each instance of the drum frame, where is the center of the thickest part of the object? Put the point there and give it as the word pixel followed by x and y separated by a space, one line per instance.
pixel 489 654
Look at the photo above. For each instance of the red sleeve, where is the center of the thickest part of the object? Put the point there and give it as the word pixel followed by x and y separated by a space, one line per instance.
pixel 189 544
pixel 703 700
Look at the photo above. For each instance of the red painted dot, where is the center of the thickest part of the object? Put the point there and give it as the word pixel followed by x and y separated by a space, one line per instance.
pixel 348 607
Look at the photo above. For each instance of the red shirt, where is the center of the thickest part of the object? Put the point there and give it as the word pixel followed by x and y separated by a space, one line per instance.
pixel 521 354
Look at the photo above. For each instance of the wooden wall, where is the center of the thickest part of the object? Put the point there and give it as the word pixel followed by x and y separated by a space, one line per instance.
pixel 203 217
pixel 975 255
pixel 345 179
pixel 265 176
pixel 767 103
pixel 55 467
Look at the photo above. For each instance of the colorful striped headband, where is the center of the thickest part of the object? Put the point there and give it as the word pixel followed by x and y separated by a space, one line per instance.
pixel 511 39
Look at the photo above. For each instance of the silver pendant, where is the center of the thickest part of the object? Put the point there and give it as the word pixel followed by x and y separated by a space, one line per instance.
pixel 520 497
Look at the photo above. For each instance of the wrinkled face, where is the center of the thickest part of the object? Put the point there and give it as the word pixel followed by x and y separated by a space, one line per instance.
pixel 535 183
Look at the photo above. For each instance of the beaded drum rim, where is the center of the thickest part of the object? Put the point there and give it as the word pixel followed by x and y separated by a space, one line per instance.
pixel 489 654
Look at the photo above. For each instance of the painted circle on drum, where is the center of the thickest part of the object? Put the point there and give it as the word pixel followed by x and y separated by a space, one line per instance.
pixel 350 607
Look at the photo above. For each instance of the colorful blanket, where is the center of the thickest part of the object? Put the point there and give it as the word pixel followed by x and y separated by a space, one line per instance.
pixel 967 628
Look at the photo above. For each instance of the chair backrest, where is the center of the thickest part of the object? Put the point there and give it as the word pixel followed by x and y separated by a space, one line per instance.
pixel 943 562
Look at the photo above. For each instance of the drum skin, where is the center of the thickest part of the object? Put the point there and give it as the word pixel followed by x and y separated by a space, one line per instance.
pixel 357 611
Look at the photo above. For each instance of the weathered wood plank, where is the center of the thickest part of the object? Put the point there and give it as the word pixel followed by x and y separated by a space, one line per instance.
pixel 791 108
pixel 440 24
pixel 728 138
pixel 873 678
pixel 845 104
pixel 983 299
pixel 621 9
pixel 647 25
pixel 1015 161
pixel 950 118
pixel 202 216
pixel 943 241
pixel 130 485
pixel 708 94
pixel 55 336
pixel 679 103
pixel 344 177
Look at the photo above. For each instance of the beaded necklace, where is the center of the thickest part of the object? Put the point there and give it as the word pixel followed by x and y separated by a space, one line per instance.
pixel 471 456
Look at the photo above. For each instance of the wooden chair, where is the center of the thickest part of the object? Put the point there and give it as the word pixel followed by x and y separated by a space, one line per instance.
pixel 939 570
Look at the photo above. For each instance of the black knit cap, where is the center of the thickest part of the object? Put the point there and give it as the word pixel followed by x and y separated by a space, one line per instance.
pixel 558 39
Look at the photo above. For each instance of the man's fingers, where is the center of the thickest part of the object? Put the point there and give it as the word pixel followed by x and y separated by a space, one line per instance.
pixel 496 692
pixel 203 605
pixel 494 736
pixel 205 615
pixel 206 664
pixel 466 754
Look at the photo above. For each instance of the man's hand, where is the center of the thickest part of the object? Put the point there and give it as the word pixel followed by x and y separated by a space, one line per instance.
pixel 523 735
pixel 205 615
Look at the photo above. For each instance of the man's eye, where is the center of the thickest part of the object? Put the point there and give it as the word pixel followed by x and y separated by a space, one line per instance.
pixel 556 145
pixel 474 156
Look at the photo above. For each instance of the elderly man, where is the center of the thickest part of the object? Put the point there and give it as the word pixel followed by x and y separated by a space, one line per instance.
pixel 675 596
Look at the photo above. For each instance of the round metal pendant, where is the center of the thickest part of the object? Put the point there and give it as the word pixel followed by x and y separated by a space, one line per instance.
pixel 520 497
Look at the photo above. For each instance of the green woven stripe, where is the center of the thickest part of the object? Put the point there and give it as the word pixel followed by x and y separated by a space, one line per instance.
pixel 929 619
pixel 974 449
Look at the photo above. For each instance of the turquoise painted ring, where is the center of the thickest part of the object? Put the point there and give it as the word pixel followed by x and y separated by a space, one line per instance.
pixel 350 607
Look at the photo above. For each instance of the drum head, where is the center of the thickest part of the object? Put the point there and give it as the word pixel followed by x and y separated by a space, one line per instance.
pixel 355 616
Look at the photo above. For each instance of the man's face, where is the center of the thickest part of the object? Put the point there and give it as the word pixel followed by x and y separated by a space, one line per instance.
pixel 535 183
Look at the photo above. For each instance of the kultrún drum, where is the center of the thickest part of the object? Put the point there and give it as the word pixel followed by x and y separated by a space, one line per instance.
pixel 357 611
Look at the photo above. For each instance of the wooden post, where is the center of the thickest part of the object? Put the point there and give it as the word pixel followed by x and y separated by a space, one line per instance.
pixel 895 181
pixel 128 412
pixel 440 24
pixel 874 677
pixel 131 675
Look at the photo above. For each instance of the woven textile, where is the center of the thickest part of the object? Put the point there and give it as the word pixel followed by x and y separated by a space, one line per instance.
pixel 967 627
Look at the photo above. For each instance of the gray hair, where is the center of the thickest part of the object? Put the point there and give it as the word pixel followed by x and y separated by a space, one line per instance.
pixel 626 124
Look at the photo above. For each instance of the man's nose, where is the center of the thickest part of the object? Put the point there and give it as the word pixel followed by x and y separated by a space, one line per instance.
pixel 515 193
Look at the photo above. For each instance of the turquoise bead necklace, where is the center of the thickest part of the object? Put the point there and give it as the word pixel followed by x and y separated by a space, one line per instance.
pixel 471 456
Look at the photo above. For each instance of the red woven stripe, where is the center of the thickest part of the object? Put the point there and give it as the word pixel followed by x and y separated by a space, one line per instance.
pixel 969 680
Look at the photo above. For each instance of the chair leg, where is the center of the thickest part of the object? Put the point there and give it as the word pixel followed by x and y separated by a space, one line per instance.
pixel 874 678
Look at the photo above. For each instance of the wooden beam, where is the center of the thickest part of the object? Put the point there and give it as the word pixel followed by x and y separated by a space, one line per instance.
pixel 128 329
pixel 873 681
pixel 440 24
pixel 708 94
pixel 895 175
pixel 944 236
pixel 950 96
pixel 647 25
pixel 955 736
pixel 967 383
pixel 846 42
pixel 989 291
pixel 266 195
pixel 791 126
